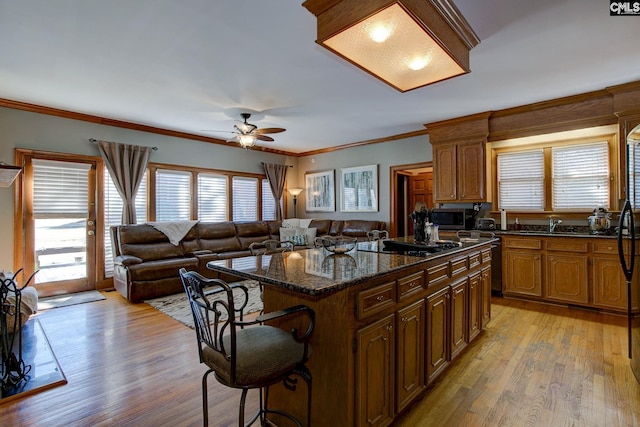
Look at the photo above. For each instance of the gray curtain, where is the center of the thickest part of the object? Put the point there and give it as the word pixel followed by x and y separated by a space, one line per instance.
pixel 277 175
pixel 127 165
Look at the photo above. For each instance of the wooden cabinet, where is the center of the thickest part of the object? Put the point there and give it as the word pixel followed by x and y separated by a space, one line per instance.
pixel 437 354
pixel 581 271
pixel 410 380
pixel 375 373
pixel 486 295
pixel 459 171
pixel 523 273
pixel 459 316
pixel 476 304
pixel 609 283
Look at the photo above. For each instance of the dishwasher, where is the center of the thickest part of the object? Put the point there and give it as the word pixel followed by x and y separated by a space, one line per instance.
pixel 496 268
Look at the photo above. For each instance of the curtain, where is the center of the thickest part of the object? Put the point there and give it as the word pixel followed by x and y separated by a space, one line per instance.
pixel 127 165
pixel 276 174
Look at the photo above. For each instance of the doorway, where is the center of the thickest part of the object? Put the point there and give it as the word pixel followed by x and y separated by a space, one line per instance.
pixel 409 184
pixel 58 223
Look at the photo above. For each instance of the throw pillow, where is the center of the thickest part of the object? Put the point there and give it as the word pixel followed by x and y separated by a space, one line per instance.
pixel 309 233
pixel 290 223
pixel 305 222
pixel 286 234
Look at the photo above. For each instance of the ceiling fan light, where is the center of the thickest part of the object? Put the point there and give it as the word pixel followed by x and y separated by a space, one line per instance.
pixel 247 141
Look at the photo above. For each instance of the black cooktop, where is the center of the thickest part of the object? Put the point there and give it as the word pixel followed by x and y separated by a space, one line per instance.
pixel 417 249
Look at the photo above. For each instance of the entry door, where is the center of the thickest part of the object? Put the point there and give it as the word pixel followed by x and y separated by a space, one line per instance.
pixel 59 225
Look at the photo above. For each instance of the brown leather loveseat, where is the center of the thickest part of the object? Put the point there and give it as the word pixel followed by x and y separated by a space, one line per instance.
pixel 146 263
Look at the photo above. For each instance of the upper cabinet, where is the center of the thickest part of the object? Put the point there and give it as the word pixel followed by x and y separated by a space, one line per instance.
pixel 459 172
pixel 459 163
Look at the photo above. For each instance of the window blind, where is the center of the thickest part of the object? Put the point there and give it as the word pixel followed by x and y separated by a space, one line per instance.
pixel 173 195
pixel 580 176
pixel 60 189
pixel 634 174
pixel 268 202
pixel 212 197
pixel 521 180
pixel 245 198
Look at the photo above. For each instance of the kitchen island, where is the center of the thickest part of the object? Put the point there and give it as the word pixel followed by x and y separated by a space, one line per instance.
pixel 387 324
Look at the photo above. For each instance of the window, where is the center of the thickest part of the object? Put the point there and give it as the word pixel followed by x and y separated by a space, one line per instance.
pixel 634 174
pixel 580 176
pixel 113 214
pixel 268 202
pixel 212 197
pixel 173 195
pixel 245 198
pixel 521 180
pixel 556 176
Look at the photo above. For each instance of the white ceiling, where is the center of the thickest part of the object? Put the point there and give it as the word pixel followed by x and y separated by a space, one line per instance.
pixel 190 65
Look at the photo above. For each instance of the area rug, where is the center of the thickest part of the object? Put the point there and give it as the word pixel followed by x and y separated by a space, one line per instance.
pixel 43 369
pixel 177 305
pixel 69 299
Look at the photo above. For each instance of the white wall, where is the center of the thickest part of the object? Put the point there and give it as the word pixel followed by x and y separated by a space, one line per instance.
pixel 22 129
pixel 385 155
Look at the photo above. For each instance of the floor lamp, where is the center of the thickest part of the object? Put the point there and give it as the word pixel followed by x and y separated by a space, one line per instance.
pixel 295 192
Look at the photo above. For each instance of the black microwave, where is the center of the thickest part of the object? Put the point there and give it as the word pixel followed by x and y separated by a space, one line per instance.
pixel 453 219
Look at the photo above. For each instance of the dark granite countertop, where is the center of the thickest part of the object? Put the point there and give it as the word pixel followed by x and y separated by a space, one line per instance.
pixel 542 233
pixel 317 272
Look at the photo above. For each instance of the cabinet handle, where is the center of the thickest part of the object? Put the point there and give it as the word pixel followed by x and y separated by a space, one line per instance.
pixel 380 298
pixel 389 328
pixel 413 284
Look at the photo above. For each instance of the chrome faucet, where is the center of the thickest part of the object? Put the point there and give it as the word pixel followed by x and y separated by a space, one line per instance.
pixel 553 223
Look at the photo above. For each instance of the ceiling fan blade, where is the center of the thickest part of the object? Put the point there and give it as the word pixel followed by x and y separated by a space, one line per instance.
pixel 269 130
pixel 264 138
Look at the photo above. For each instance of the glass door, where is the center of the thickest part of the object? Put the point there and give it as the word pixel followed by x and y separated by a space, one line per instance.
pixel 60 227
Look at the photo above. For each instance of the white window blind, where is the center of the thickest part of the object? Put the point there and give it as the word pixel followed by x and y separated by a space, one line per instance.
pixel 212 197
pixel 113 214
pixel 245 198
pixel 580 176
pixel 268 202
pixel 634 175
pixel 521 180
pixel 60 188
pixel 173 195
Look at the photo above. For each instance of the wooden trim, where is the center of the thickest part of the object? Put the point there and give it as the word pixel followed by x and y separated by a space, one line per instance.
pixel 394 171
pixel 475 126
pixel 33 108
pixel 363 143
pixel 572 112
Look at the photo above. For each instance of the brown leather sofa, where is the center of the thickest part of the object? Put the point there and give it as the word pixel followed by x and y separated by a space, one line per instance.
pixel 146 263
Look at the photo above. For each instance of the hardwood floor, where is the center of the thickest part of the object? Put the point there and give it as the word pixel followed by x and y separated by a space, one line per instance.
pixel 536 365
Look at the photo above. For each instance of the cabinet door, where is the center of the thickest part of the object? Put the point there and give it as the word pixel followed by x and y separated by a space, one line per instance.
pixel 471 170
pixel 459 319
pixel 609 284
pixel 445 175
pixel 567 278
pixel 486 296
pixel 475 305
pixel 437 342
pixel 523 273
pixel 375 373
pixel 410 352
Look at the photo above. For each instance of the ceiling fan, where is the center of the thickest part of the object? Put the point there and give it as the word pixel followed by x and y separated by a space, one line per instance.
pixel 247 133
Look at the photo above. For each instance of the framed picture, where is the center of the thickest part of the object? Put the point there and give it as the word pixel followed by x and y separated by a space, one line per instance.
pixel 359 189
pixel 320 191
